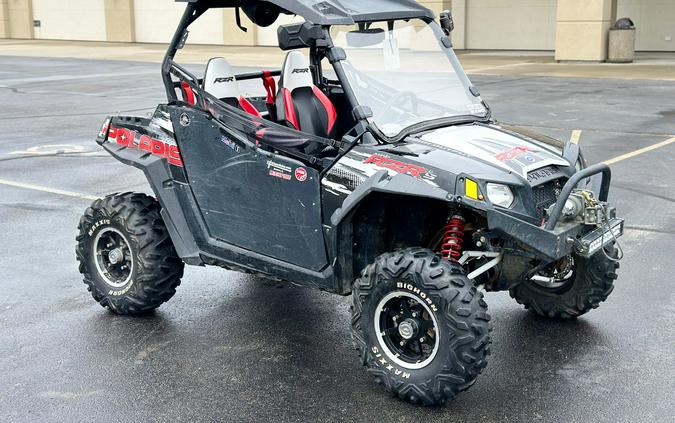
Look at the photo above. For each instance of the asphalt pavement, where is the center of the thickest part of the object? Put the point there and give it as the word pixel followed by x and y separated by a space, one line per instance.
pixel 231 347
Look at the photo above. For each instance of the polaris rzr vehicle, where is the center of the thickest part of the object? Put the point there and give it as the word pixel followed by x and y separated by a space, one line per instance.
pixel 371 167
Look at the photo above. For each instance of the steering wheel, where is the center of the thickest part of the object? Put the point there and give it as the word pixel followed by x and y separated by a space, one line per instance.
pixel 401 96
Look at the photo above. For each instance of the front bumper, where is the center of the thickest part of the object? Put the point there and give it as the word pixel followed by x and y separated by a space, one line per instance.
pixel 559 238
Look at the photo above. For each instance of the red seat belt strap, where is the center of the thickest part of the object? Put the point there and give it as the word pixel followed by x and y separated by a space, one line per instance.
pixel 270 86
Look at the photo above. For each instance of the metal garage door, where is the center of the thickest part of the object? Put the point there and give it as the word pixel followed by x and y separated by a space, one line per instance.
pixel 654 22
pixel 70 20
pixel 156 21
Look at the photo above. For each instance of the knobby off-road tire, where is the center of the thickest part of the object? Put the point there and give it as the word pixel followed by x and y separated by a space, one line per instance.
pixel 446 297
pixel 128 230
pixel 591 284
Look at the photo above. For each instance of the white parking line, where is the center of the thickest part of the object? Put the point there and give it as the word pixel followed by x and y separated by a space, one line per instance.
pixel 576 136
pixel 61 78
pixel 639 151
pixel 47 189
pixel 491 68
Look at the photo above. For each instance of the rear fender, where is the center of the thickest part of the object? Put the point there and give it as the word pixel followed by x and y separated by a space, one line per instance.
pixel 139 141
pixel 150 145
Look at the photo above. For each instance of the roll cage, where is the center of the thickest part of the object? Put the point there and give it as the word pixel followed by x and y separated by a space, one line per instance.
pixel 314 33
pixel 322 14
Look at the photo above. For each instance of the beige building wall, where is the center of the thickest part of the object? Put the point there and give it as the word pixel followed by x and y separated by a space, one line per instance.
pixel 19 18
pixel 234 36
pixel 510 24
pixel 70 20
pixel 479 24
pixel 156 21
pixel 654 22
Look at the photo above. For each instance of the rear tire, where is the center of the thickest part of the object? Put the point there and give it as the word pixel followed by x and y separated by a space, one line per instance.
pixel 125 253
pixel 591 284
pixel 438 303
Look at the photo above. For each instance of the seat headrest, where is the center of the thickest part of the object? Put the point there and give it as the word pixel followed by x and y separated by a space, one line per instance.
pixel 219 79
pixel 295 73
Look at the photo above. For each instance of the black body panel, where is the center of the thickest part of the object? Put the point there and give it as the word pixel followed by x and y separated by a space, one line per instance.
pixel 226 201
pixel 180 211
pixel 251 198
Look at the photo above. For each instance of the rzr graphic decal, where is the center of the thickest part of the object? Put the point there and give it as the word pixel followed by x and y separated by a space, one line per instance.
pixel 512 153
pixel 400 167
pixel 127 138
pixel 355 167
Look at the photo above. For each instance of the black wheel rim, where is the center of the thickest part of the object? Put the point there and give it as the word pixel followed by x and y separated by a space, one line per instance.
pixel 406 329
pixel 112 255
pixel 557 275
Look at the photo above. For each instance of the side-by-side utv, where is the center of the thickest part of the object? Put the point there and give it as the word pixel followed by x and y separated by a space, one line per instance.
pixel 371 167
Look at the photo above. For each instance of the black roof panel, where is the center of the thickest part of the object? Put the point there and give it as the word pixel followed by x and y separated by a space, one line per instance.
pixel 336 12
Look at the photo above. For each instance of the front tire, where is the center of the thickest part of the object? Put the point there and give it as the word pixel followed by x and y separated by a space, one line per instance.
pixel 125 253
pixel 433 337
pixel 590 283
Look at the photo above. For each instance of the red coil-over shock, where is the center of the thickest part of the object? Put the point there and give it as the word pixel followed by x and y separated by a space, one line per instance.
pixel 453 238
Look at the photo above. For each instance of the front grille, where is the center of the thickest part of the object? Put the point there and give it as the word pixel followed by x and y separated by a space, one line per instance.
pixel 545 195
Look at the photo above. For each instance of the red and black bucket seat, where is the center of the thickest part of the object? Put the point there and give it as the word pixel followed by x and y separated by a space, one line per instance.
pixel 301 104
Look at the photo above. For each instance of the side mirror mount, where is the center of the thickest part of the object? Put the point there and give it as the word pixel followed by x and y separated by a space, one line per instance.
pixel 446 21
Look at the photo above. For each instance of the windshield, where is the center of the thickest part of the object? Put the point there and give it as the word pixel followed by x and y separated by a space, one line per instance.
pixel 405 74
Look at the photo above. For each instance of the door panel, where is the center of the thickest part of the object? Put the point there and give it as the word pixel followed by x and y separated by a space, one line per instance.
pixel 253 199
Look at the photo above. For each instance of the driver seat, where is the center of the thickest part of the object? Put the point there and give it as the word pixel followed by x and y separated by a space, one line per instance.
pixel 300 104
pixel 219 81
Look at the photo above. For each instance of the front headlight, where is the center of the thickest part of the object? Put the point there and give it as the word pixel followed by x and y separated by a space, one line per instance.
pixel 499 194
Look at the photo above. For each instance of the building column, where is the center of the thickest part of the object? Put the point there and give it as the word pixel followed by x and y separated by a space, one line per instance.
pixel 458 36
pixel 4 19
pixel 119 21
pixel 16 19
pixel 582 28
pixel 437 6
